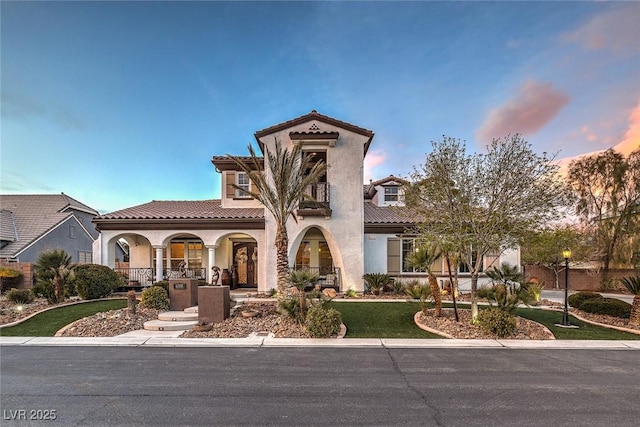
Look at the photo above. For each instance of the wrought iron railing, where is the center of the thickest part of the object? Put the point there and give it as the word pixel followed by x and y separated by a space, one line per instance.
pixel 320 193
pixel 328 277
pixel 135 277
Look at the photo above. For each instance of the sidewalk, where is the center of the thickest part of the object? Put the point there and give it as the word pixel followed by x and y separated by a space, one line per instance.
pixel 255 342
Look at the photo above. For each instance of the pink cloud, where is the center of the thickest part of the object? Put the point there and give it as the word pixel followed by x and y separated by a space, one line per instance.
pixel 531 108
pixel 631 139
pixel 616 30
pixel 374 158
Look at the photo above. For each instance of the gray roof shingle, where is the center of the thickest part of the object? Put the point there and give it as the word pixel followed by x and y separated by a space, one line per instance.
pixel 28 217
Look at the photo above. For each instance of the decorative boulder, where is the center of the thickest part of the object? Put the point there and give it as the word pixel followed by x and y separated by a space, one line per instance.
pixel 330 293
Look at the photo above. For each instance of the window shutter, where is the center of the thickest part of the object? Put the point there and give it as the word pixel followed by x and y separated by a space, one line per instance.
pixel 230 179
pixel 393 256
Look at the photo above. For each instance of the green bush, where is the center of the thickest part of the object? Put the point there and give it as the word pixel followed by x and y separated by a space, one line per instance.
pixel 497 321
pixel 576 300
pixel 163 284
pixel 9 278
pixel 155 297
pixel 323 322
pixel 376 283
pixel 609 306
pixel 290 305
pixel 46 290
pixel 20 296
pixel 93 281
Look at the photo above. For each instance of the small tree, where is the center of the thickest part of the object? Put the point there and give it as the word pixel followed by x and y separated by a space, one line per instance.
pixel 484 202
pixel 544 248
pixel 607 190
pixel 55 267
pixel 422 258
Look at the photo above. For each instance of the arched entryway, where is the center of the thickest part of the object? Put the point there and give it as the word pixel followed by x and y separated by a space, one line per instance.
pixel 314 254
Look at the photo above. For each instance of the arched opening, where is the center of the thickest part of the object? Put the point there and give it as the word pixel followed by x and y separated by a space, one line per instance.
pixel 314 254
pixel 237 256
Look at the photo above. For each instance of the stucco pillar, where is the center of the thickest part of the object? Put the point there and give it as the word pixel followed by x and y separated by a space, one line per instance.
pixel 158 263
pixel 212 260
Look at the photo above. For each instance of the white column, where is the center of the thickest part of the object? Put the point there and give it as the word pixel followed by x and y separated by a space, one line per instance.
pixel 212 261
pixel 158 263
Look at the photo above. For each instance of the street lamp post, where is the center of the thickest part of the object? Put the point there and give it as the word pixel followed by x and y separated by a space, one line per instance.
pixel 566 254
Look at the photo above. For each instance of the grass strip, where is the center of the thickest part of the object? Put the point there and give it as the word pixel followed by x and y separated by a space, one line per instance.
pixel 381 320
pixel 48 323
pixel 586 331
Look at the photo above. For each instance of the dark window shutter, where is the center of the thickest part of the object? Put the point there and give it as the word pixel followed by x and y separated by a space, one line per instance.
pixel 230 179
pixel 393 256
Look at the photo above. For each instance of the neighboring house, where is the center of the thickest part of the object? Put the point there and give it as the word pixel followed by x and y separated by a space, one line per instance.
pixel 31 224
pixel 355 230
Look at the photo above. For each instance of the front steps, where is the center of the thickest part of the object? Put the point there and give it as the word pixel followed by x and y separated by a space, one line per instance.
pixel 174 320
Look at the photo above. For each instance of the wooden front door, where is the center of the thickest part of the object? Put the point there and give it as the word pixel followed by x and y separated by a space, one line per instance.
pixel 245 261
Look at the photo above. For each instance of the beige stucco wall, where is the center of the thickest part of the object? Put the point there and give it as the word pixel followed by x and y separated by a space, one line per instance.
pixel 344 230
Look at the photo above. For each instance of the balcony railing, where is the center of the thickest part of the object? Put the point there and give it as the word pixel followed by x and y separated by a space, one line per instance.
pixel 321 205
pixel 328 277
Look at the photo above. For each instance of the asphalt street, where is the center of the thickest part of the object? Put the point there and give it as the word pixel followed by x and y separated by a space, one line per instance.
pixel 317 386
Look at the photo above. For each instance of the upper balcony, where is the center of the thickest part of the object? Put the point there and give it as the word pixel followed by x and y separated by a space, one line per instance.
pixel 320 206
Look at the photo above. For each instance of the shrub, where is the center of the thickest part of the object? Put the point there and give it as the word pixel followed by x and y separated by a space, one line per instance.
pixel 163 284
pixel 20 296
pixel 376 283
pixel 155 297
pixel 535 290
pixel 576 300
pixel 290 304
pixel 9 278
pixel 351 293
pixel 93 281
pixel 56 267
pixel 609 306
pixel 417 291
pixel 497 321
pixel 323 322
pixel 45 290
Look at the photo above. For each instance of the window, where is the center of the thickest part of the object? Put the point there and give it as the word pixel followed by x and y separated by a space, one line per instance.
pixel 242 181
pixel 85 257
pixel 408 246
pixel 72 232
pixel 391 193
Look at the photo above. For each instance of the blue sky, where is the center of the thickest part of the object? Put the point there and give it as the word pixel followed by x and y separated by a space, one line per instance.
pixel 120 103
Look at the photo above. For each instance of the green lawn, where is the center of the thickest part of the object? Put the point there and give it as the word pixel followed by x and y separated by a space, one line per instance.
pixel 395 320
pixel 48 323
pixel 381 320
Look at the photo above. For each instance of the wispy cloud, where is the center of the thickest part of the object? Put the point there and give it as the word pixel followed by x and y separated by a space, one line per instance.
pixel 22 105
pixel 616 30
pixel 374 158
pixel 533 106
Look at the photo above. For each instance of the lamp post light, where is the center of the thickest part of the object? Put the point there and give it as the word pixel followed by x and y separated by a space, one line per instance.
pixel 566 254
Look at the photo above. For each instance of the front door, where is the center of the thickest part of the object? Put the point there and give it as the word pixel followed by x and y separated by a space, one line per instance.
pixel 245 261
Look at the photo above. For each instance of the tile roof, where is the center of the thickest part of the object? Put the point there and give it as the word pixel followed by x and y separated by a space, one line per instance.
pixel 314 115
pixel 374 214
pixel 33 215
pixel 183 209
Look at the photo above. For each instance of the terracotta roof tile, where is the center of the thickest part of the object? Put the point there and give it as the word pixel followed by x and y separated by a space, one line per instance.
pixel 374 214
pixel 184 209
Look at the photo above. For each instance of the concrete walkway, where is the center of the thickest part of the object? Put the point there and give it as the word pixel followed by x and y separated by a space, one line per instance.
pixel 163 341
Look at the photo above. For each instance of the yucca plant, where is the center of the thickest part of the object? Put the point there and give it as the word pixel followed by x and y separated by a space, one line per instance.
pixel 508 289
pixel 633 285
pixel 301 279
pixel 55 267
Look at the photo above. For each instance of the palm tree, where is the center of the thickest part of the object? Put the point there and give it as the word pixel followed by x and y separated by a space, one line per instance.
pixel 422 258
pixel 280 187
pixel 55 267
pixel 633 285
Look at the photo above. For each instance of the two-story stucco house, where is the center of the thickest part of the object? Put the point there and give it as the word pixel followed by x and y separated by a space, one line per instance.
pixel 359 229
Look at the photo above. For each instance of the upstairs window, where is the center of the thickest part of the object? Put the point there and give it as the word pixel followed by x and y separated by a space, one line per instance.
pixel 391 193
pixel 242 181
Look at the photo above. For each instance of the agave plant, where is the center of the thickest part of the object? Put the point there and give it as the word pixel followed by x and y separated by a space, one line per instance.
pixel 377 282
pixel 633 285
